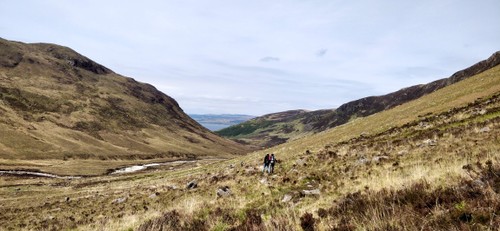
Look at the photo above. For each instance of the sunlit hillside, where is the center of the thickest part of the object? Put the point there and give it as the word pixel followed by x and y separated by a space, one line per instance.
pixel 63 113
pixel 429 164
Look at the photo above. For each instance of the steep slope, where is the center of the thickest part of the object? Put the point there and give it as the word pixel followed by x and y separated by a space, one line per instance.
pixel 265 132
pixel 58 104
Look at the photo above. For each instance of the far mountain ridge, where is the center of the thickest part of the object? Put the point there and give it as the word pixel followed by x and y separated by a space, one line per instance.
pixel 264 131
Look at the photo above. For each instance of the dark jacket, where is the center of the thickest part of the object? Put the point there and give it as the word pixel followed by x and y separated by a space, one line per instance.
pixel 266 159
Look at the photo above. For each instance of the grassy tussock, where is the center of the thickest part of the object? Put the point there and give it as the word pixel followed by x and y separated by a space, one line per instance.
pixel 473 204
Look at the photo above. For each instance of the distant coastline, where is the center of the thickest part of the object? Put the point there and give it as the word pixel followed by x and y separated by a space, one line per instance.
pixel 216 122
pixel 215 127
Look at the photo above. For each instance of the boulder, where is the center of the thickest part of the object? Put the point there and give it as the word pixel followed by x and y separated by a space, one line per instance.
pixel 223 192
pixel 301 162
pixel 191 185
pixel 292 196
pixel 380 158
pixel 485 129
pixel 154 195
pixel 286 198
pixel 170 187
pixel 250 170
pixel 429 142
pixel 310 192
pixel 119 200
pixel 482 112
pixel 402 152
pixel 362 161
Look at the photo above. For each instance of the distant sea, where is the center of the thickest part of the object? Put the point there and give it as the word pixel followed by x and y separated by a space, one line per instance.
pixel 217 122
pixel 215 127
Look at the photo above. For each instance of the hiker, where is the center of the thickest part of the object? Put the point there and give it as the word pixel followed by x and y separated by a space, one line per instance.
pixel 266 163
pixel 272 161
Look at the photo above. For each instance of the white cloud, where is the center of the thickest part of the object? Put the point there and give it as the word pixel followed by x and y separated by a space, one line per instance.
pixel 269 59
pixel 321 52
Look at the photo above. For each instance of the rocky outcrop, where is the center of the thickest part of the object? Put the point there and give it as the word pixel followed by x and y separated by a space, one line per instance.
pixel 73 58
pixel 9 56
pixel 477 68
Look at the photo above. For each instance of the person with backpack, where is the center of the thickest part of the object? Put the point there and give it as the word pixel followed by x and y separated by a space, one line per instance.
pixel 266 163
pixel 272 161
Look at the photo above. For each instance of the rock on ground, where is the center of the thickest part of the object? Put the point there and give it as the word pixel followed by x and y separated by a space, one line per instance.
pixel 311 192
pixel 191 185
pixel 119 200
pixel 223 192
pixel 286 198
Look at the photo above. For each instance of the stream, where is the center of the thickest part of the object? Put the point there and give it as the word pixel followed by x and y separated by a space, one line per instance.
pixel 135 168
pixel 37 174
pixel 129 169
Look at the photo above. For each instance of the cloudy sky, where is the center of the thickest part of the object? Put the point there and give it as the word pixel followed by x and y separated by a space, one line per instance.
pixel 263 56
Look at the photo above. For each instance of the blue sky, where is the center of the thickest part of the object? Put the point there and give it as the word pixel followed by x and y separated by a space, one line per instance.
pixel 261 56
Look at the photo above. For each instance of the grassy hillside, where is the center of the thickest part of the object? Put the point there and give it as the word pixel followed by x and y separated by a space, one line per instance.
pixel 270 130
pixel 265 131
pixel 430 164
pixel 59 106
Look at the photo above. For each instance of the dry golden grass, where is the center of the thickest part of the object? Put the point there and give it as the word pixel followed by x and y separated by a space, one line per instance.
pixel 58 105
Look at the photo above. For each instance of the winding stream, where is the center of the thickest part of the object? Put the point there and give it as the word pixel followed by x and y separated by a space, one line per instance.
pixel 129 169
pixel 135 168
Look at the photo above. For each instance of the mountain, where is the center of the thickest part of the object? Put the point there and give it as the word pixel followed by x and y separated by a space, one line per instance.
pixel 277 128
pixel 428 164
pixel 56 104
pixel 217 122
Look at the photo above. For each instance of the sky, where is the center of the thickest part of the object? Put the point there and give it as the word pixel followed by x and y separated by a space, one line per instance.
pixel 263 56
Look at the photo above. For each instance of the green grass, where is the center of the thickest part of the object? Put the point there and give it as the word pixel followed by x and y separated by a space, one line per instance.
pixel 240 130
